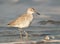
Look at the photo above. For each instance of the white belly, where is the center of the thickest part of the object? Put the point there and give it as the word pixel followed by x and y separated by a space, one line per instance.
pixel 24 24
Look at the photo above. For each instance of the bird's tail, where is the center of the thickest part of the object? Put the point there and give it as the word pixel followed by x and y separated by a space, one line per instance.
pixel 8 24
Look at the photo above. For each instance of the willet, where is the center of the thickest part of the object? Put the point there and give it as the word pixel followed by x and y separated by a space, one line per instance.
pixel 24 20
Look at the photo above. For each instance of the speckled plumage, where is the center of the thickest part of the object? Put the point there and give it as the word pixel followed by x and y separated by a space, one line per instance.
pixel 24 20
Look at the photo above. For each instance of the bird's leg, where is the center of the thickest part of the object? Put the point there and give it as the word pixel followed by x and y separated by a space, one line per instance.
pixel 21 34
pixel 26 35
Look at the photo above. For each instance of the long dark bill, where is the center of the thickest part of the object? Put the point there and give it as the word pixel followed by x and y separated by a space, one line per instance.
pixel 37 13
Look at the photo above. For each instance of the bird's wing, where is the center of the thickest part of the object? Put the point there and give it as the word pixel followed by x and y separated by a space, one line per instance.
pixel 19 20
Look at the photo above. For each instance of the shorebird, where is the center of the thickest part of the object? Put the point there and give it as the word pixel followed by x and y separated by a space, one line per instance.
pixel 24 20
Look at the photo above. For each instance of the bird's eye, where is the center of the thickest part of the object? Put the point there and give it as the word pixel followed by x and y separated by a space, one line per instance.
pixel 31 10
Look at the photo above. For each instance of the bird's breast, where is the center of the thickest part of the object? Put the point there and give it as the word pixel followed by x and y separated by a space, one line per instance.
pixel 26 22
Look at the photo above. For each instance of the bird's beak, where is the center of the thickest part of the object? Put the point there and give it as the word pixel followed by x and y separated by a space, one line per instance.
pixel 37 13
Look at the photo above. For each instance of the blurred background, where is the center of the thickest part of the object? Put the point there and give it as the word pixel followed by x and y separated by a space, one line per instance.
pixel 48 23
pixel 11 9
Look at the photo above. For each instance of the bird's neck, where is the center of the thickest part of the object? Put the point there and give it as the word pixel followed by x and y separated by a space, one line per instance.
pixel 29 12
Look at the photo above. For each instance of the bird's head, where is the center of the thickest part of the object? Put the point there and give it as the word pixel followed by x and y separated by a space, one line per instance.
pixel 32 10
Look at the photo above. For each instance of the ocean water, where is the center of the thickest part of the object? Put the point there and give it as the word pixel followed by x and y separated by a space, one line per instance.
pixel 11 9
pixel 11 34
